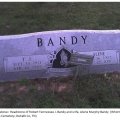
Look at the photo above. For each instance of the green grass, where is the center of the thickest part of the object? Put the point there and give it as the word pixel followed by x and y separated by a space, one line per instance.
pixel 90 91
pixel 18 18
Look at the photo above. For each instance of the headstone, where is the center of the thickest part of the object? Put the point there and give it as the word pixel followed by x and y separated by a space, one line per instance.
pixel 59 53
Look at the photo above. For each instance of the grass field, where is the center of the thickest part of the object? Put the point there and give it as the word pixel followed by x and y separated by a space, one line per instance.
pixel 90 91
pixel 18 18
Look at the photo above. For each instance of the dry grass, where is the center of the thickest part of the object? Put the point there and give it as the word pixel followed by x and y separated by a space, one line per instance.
pixel 88 91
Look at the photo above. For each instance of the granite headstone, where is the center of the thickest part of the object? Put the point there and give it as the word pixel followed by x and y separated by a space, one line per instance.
pixel 58 53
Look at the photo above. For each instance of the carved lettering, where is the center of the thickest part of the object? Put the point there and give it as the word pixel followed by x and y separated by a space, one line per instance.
pixel 84 38
pixel 74 40
pixel 39 42
pixel 50 42
pixel 62 40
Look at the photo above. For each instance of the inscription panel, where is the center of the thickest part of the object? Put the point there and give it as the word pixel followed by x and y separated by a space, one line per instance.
pixel 104 57
pixel 26 63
